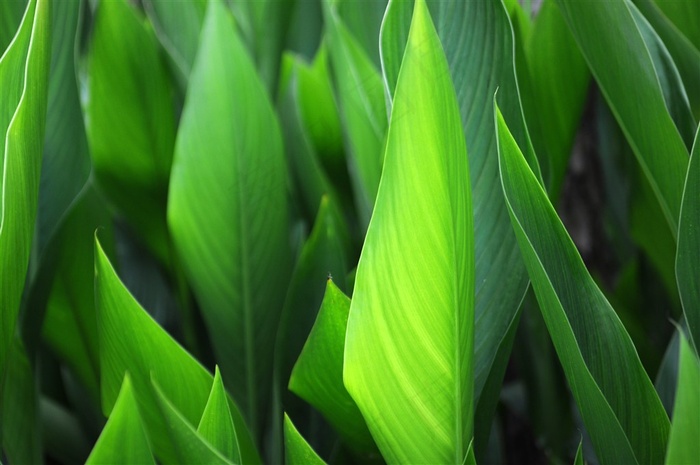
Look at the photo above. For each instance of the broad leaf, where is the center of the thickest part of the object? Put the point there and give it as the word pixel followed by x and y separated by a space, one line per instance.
pixel 123 439
pixel 683 445
pixel 228 215
pixel 618 403
pixel 409 344
pixel 131 120
pixel 688 254
pixel 318 373
pixel 625 72
pixel 480 31
pixel 147 354
pixel 297 450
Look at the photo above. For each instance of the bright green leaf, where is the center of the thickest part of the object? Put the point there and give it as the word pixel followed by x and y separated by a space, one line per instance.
pixel 186 444
pixel 150 353
pixel 618 403
pixel 409 344
pixel 228 215
pixel 216 425
pixel 297 450
pixel 318 373
pixel 123 439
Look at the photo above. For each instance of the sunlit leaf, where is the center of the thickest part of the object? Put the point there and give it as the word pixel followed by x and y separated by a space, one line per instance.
pixel 297 450
pixel 410 335
pixel 216 425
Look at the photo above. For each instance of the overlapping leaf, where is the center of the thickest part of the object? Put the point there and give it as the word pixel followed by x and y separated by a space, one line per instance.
pixel 297 450
pixel 123 439
pixel 478 41
pixel 24 69
pixel 228 210
pixel 620 408
pixel 318 373
pixel 626 75
pixel 688 254
pixel 130 120
pixel 151 354
pixel 409 343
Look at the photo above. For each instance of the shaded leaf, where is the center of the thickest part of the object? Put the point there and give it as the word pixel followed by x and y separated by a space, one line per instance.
pixel 318 373
pixel 130 120
pixel 618 403
pixel 683 445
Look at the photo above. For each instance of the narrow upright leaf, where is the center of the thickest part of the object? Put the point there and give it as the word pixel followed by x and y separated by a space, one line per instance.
pixel 123 439
pixel 688 253
pixel 130 120
pixel 150 354
pixel 625 73
pixel 228 213
pixel 683 444
pixel 24 69
pixel 409 343
pixel 620 408
pixel 216 424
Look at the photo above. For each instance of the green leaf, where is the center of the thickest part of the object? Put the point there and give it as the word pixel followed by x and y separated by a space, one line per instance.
pixel 361 102
pixel 70 326
pixel 123 439
pixel 24 69
pixel 363 20
pixel 626 75
pixel 297 450
pixel 264 25
pixel 11 12
pixel 66 163
pixel 185 443
pixel 409 345
pixel 578 460
pixel 318 373
pixel 559 80
pixel 228 217
pixel 150 353
pixel 620 408
pixel 463 27
pixel 178 26
pixel 131 120
pixel 688 253
pixel 685 55
pixel 310 178
pixel 685 16
pixel 666 382
pixel 683 445
pixel 216 425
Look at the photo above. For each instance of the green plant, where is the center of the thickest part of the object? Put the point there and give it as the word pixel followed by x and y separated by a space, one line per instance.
pixel 338 231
